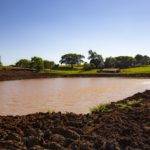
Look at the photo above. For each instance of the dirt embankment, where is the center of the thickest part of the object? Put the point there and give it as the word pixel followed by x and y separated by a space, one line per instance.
pixel 118 126
pixel 24 74
pixel 141 75
pixel 20 74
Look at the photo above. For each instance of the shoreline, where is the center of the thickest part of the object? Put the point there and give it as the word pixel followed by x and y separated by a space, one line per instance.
pixel 118 125
pixel 31 75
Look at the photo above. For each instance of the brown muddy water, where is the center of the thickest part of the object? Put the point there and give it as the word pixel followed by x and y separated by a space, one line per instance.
pixel 64 94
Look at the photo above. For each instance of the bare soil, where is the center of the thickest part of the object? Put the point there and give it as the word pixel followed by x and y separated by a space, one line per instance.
pixel 20 74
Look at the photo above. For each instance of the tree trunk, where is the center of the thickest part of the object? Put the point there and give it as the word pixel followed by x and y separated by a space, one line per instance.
pixel 72 66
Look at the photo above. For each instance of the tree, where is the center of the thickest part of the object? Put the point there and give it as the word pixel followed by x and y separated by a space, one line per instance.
pixel 37 64
pixel 125 61
pixel 23 63
pixel 96 59
pixel 110 62
pixel 0 64
pixel 71 59
pixel 139 59
pixel 48 64
pixel 146 60
pixel 88 66
pixel 142 60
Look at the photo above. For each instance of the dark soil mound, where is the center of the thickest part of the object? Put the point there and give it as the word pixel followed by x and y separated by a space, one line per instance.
pixel 118 126
pixel 20 74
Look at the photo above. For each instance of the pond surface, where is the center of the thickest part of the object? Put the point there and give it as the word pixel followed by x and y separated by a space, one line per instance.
pixel 64 94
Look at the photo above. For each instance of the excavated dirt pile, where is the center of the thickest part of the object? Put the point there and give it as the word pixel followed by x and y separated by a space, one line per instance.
pixel 20 74
pixel 116 126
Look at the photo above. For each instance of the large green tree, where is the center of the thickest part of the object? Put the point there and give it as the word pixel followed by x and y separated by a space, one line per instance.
pixel 146 60
pixel 142 60
pixel 48 64
pixel 0 63
pixel 110 62
pixel 23 63
pixel 96 59
pixel 71 59
pixel 124 61
pixel 37 64
pixel 139 59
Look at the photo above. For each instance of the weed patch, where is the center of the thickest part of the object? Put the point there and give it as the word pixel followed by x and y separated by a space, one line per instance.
pixel 100 108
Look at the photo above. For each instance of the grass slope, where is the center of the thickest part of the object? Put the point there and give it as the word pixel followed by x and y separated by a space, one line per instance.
pixel 65 72
pixel 137 70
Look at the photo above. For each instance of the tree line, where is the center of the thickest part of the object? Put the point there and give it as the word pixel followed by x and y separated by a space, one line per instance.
pixel 0 63
pixel 96 61
pixel 36 63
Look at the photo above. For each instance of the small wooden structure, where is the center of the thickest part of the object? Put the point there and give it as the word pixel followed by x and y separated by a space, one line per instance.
pixel 111 70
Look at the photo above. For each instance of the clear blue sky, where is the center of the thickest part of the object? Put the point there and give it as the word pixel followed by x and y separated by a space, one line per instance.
pixel 50 28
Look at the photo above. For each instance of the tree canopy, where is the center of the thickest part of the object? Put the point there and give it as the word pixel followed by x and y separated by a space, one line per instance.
pixel 125 61
pixel 48 64
pixel 142 60
pixel 0 63
pixel 110 62
pixel 23 63
pixel 37 64
pixel 71 59
pixel 96 59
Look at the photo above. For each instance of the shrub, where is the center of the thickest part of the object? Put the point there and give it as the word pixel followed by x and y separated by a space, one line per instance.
pixel 88 66
pixel 100 108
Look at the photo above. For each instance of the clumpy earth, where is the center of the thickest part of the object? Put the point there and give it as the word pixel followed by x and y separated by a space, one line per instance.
pixel 124 125
pixel 20 74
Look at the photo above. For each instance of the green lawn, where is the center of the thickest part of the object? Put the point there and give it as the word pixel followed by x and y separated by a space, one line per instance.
pixel 93 71
pixel 136 70
pixel 64 72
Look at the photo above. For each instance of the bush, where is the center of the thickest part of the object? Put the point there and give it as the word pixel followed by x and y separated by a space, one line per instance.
pixel 37 64
pixel 0 64
pixel 87 66
pixel 23 63
pixel 100 108
pixel 64 68
pixel 48 64
pixel 99 70
pixel 56 66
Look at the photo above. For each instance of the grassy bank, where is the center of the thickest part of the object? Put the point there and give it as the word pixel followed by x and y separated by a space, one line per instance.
pixel 134 70
pixel 137 70
pixel 129 72
pixel 119 125
pixel 9 74
pixel 69 72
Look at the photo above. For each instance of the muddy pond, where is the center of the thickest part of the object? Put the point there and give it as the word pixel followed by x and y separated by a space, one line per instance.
pixel 65 94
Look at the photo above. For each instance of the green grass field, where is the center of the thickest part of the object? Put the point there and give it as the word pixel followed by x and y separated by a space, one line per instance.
pixel 79 70
pixel 63 72
pixel 137 70
pixel 134 70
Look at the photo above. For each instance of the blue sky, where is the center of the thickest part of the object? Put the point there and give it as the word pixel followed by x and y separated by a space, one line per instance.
pixel 50 28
